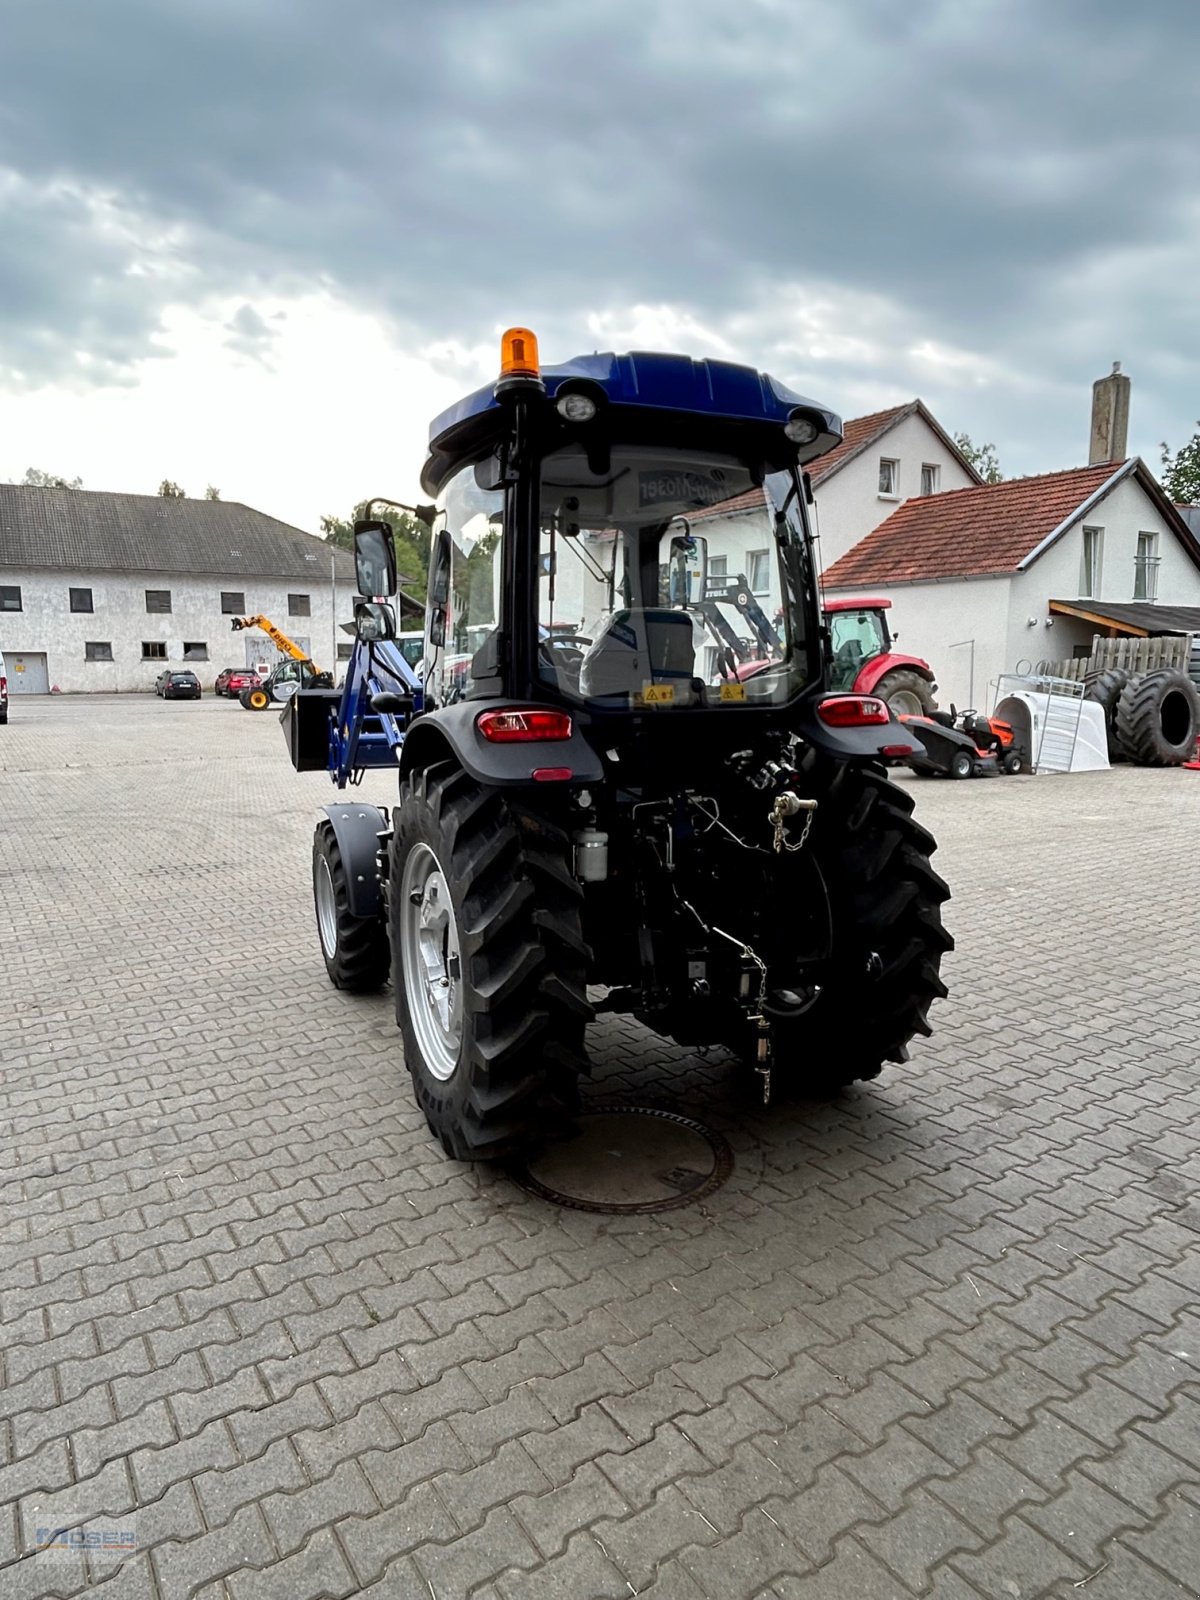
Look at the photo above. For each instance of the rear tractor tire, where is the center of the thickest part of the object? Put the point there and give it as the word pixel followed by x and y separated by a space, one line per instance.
pixel 488 962
pixel 906 694
pixel 882 977
pixel 355 949
pixel 1157 719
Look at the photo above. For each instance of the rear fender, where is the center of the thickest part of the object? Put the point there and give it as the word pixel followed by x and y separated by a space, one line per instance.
pixel 450 734
pixel 357 829
pixel 879 666
pixel 857 744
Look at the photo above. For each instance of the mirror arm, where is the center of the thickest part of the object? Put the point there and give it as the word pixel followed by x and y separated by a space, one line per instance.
pixel 423 514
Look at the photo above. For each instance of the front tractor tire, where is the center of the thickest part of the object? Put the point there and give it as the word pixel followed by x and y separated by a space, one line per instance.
pixel 489 964
pixel 255 699
pixel 355 949
pixel 906 694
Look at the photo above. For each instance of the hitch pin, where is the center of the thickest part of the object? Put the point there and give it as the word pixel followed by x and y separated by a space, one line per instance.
pixel 788 805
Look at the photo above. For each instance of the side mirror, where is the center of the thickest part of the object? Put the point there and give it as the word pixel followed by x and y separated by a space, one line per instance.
pixel 687 570
pixel 374 558
pixel 374 621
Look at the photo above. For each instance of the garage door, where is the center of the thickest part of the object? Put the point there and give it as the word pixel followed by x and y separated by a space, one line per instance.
pixel 27 673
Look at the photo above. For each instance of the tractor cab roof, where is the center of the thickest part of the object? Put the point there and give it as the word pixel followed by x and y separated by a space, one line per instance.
pixel 856 605
pixel 715 391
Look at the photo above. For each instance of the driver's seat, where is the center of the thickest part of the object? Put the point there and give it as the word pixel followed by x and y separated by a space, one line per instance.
pixel 636 648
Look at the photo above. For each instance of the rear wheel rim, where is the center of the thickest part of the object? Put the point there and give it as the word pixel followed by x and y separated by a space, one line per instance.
pixel 904 703
pixel 327 917
pixel 430 961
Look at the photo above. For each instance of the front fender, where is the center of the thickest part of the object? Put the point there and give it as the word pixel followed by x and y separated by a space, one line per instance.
pixel 357 829
pixel 450 734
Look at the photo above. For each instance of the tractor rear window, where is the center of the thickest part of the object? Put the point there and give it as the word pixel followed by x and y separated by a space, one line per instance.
pixel 644 597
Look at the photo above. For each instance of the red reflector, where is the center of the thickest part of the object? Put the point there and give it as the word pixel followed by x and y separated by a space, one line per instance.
pixel 853 711
pixel 551 774
pixel 520 727
pixel 894 751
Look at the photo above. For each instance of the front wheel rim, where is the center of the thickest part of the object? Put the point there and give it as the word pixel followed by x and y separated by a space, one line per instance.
pixel 431 961
pixel 326 909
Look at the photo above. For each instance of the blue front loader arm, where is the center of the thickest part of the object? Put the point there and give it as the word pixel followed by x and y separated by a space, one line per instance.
pixel 363 736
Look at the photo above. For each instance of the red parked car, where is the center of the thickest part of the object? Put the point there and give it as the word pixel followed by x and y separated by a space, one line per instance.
pixel 234 679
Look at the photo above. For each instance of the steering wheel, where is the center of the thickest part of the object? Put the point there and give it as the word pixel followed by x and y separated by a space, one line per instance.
pixel 564 651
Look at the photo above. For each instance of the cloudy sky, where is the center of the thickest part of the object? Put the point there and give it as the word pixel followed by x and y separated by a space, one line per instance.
pixel 259 243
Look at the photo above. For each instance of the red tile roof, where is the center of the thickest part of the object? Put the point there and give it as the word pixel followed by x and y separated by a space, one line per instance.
pixel 968 533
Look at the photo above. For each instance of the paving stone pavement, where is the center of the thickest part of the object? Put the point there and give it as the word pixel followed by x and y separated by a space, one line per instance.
pixel 938 1337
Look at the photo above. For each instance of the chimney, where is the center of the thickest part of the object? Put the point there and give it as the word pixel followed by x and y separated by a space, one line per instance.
pixel 1110 418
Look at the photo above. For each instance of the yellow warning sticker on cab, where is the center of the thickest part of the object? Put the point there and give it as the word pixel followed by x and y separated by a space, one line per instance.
pixel 733 691
pixel 656 694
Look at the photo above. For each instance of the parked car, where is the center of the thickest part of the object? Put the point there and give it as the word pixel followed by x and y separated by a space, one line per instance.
pixel 179 686
pixel 233 680
pixel 3 691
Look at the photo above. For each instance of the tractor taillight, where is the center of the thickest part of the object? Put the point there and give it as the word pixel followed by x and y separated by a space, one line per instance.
pixel 894 752
pixel 853 711
pixel 523 727
pixel 519 354
pixel 552 774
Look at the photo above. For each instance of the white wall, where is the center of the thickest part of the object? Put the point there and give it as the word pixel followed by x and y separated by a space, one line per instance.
pixel 46 623
pixel 931 618
pixel 849 504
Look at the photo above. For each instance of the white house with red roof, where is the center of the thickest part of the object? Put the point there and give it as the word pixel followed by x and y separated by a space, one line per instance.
pixel 883 460
pixel 1000 577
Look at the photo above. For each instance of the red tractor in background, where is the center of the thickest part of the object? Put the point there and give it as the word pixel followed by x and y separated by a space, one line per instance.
pixel 864 662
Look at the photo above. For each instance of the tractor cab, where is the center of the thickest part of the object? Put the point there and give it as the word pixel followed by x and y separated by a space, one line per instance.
pixel 575 514
pixel 858 633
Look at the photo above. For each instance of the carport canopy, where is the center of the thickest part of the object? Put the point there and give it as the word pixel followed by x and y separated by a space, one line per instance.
pixel 1139 619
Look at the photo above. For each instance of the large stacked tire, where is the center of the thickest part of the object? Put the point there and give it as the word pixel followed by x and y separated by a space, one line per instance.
pixel 1156 719
pixel 489 964
pixel 355 949
pixel 1105 689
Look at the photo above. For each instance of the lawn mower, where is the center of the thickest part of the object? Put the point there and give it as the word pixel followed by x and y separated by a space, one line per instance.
pixel 966 744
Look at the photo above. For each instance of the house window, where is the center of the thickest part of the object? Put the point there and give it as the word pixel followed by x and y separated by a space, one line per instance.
pixel 158 599
pixel 1089 566
pixel 298 605
pixel 1145 568
pixel 153 650
pixel 97 650
pixel 81 600
pixel 931 477
pixel 718 566
pixel 233 602
pixel 194 650
pixel 10 597
pixel 758 570
pixel 345 651
pixel 889 477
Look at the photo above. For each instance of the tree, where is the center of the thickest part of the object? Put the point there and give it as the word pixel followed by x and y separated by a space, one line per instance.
pixel 1181 471
pixel 212 494
pixel 171 491
pixel 412 545
pixel 35 478
pixel 981 456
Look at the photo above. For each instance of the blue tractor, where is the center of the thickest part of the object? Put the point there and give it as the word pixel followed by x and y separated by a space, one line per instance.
pixel 595 811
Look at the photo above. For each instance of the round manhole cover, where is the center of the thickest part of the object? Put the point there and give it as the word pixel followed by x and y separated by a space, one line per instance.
pixel 630 1159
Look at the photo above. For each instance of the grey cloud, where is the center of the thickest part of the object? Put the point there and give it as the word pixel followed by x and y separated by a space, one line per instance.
pixel 456 166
